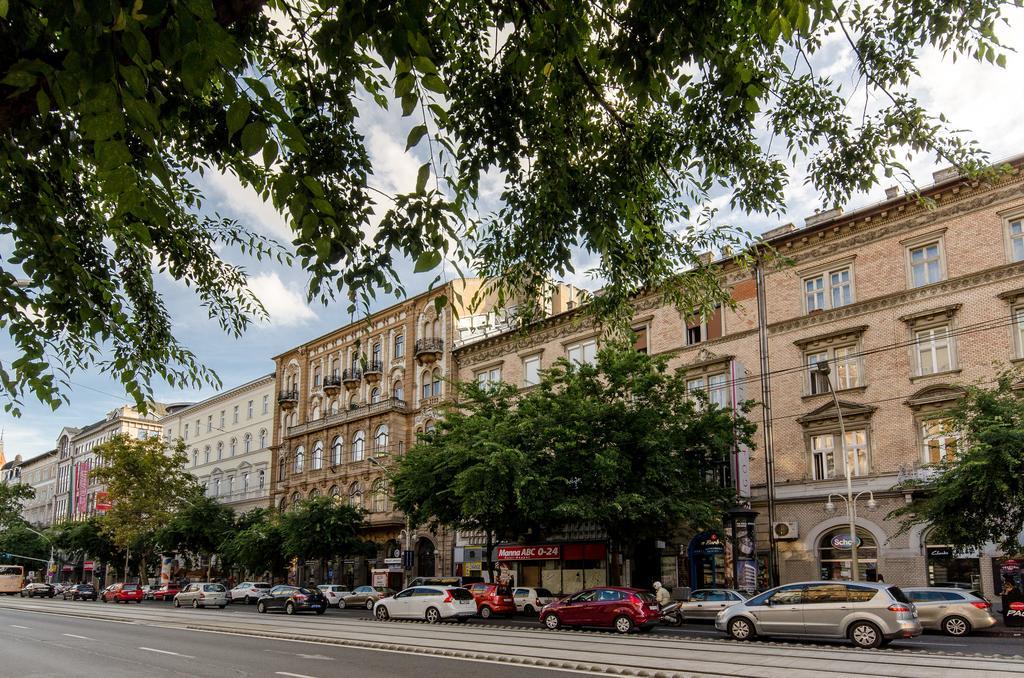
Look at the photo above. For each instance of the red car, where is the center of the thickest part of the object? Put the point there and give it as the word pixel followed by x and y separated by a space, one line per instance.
pixel 616 607
pixel 165 592
pixel 492 599
pixel 122 593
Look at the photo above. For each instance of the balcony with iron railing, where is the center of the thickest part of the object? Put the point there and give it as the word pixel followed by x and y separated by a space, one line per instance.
pixel 288 399
pixel 429 350
pixel 332 384
pixel 373 371
pixel 332 419
pixel 351 377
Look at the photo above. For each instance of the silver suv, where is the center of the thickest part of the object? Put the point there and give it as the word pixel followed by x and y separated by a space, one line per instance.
pixel 955 612
pixel 869 614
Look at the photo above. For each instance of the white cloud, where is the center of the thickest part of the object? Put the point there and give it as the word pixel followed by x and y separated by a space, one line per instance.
pixel 246 205
pixel 284 305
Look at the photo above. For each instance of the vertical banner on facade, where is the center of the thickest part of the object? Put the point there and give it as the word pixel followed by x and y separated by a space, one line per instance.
pixel 166 566
pixel 82 488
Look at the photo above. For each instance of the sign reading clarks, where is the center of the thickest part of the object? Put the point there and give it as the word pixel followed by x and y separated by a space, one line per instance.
pixel 548 552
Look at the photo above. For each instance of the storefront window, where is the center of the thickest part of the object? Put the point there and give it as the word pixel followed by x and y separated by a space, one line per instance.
pixel 835 555
pixel 947 567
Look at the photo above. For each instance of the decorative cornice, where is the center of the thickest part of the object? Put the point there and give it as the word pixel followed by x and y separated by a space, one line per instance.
pixel 253 385
pixel 843 333
pixel 947 311
pixel 828 411
pixel 1011 295
pixel 936 393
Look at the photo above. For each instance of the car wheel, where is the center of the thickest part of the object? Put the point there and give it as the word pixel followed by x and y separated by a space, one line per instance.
pixel 177 603
pixel 341 604
pixel 433 615
pixel 289 608
pixel 624 624
pixel 22 594
pixel 741 629
pixel 222 606
pixel 138 602
pixel 321 611
pixel 865 635
pixel 956 626
pixel 552 622
pixel 261 607
pixel 195 604
pixel 382 613
pixel 248 600
pixel 485 612
pixel 369 604
pixel 528 609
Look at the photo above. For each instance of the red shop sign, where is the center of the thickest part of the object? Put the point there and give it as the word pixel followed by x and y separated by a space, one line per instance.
pixel 547 552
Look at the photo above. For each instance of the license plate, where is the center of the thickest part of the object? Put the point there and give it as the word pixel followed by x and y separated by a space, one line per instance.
pixel 315 607
pixel 653 607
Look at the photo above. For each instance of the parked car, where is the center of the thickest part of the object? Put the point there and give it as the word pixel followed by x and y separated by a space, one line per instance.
pixel 868 614
pixel 620 608
pixel 80 592
pixel 705 604
pixel 38 590
pixel 954 611
pixel 492 599
pixel 445 581
pixel 166 592
pixel 530 600
pixel 248 591
pixel 292 599
pixel 432 603
pixel 122 593
pixel 147 591
pixel 365 596
pixel 334 593
pixel 202 594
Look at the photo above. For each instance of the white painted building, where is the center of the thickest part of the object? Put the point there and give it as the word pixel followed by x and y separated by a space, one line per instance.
pixel 227 439
pixel 41 474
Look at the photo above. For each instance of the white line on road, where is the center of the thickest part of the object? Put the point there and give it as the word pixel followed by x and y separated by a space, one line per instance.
pixel 71 635
pixel 293 675
pixel 315 656
pixel 176 654
pixel 27 628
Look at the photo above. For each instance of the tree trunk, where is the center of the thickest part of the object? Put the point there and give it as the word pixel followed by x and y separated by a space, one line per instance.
pixel 487 556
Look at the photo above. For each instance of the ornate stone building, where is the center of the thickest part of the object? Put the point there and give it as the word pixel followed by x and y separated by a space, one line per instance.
pixel 908 300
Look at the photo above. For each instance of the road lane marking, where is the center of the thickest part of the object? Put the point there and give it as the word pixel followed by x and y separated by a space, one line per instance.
pixel 71 635
pixel 17 626
pixel 315 656
pixel 293 675
pixel 175 654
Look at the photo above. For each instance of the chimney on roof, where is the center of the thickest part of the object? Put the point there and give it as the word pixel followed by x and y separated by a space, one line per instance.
pixel 945 174
pixel 892 192
pixel 779 230
pixel 820 217
pixel 705 258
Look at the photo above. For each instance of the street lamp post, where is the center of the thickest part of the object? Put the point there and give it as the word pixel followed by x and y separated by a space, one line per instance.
pixel 824 370
pixel 851 509
pixel 49 565
pixel 388 473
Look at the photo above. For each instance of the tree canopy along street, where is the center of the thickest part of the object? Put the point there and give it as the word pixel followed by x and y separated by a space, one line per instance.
pixel 608 125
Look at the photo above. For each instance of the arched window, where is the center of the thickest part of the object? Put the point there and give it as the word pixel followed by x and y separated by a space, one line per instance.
pixel 206 454
pixel 195 457
pixel 282 470
pixel 336 451
pixel 376 353
pixel 426 329
pixel 296 497
pixel 245 482
pixel 436 328
pixel 314 493
pixel 353 402
pixel 318 456
pixel 334 493
pixel 234 446
pixel 334 406
pixel 380 438
pixel 355 494
pixel 397 392
pixel 435 381
pixel 425 378
pixel 358 446
pixel 430 426
pixel 300 459
pixel 835 554
pixel 316 412
pixel 379 495
pixel 263 438
pixel 375 395
pixel 231 485
pixel 216 487
pixel 262 478
pixel 220 451
pixel 400 346
pixel 247 443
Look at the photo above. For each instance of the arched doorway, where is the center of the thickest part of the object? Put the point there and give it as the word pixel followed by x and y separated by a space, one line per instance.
pixel 835 554
pixel 425 558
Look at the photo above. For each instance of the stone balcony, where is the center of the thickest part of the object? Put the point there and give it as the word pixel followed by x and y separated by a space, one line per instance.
pixel 382 407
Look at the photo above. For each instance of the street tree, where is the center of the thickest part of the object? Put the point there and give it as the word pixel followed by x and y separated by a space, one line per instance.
pixel 199 527
pixel 322 528
pixel 147 484
pixel 24 546
pixel 12 496
pixel 606 124
pixel 256 544
pixel 620 445
pixel 81 538
pixel 977 496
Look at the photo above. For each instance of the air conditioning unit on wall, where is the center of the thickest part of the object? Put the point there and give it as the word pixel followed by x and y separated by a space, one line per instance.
pixel 790 530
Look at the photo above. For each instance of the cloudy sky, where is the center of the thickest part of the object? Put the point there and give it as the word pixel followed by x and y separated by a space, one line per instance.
pixel 986 100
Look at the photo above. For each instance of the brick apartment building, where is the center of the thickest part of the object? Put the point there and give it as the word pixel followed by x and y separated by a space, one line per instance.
pixel 907 302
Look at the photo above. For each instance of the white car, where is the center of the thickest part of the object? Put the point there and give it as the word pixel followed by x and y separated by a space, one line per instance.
pixel 432 603
pixel 202 594
pixel 334 593
pixel 531 600
pixel 249 592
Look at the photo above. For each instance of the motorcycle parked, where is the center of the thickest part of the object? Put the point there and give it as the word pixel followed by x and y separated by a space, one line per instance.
pixel 671 614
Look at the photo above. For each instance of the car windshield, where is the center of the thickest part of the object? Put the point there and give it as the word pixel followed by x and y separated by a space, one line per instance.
pixel 216 588
pixel 261 586
pixel 131 587
pixel 460 594
pixel 84 587
pixel 544 593
pixel 306 591
pixel 898 595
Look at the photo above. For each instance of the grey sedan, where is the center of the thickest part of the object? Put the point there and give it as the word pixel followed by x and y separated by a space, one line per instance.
pixel 364 596
pixel 707 603
pixel 953 611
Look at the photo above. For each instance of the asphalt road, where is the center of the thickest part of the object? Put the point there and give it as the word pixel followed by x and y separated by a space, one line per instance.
pixel 34 645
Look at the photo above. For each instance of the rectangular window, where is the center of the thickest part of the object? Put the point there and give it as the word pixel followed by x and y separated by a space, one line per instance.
pixel 249 410
pixel 694 385
pixel 817 382
pixel 857 452
pixel 209 423
pixel 718 390
pixel 640 344
pixel 583 353
pixel 222 419
pixel 940 441
pixel 234 415
pixel 933 350
pixel 186 431
pixel 925 264
pixel 830 289
pixel 1017 240
pixel 825 449
pixel 266 404
pixel 844 369
pixel 823 457
pixel 531 371
pixel 489 378
pixel 1018 329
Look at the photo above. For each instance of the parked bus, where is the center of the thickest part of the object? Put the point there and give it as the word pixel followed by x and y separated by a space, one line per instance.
pixel 12 579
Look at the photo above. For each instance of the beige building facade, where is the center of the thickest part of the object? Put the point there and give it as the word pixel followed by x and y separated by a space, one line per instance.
pixel 40 473
pixel 907 303
pixel 227 442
